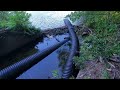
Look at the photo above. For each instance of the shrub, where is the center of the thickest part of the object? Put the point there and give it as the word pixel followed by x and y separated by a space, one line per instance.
pixel 17 21
pixel 3 18
pixel 104 40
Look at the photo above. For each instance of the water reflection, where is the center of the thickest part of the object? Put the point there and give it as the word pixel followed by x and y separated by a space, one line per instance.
pixel 18 55
pixel 63 54
pixel 44 69
pixel 48 19
pixel 54 61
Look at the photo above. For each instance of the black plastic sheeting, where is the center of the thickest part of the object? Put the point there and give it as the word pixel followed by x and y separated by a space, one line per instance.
pixel 13 71
pixel 68 70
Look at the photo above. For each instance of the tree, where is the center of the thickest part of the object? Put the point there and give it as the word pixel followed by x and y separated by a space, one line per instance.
pixel 3 18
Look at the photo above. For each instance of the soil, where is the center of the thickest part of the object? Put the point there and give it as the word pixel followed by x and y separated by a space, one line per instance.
pixel 95 69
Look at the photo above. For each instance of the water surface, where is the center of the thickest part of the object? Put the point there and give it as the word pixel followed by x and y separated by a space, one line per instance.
pixel 48 19
pixel 53 62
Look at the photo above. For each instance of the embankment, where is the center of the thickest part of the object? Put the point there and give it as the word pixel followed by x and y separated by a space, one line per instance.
pixel 11 41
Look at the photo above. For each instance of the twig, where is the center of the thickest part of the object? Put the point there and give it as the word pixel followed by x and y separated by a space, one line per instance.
pixel 109 69
pixel 57 39
pixel 111 64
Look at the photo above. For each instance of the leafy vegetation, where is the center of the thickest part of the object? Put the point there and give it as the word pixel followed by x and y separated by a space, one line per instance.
pixel 72 77
pixel 55 74
pixel 105 75
pixel 17 21
pixel 75 15
pixel 105 38
pixel 3 18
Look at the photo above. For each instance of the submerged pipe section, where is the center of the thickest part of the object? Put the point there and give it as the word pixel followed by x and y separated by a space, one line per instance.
pixel 13 71
pixel 74 50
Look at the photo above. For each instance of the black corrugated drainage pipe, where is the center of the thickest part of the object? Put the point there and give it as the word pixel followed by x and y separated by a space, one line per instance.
pixel 68 70
pixel 13 71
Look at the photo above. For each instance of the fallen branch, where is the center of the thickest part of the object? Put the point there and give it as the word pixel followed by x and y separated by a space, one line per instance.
pixel 111 64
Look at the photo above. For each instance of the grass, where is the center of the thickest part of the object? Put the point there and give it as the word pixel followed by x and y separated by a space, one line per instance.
pixel 104 38
pixel 105 74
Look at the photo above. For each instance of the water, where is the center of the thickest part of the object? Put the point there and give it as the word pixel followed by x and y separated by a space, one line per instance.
pixel 53 63
pixel 48 19
pixel 45 68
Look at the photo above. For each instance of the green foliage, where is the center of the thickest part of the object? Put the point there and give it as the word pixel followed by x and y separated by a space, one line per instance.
pixel 3 15
pixel 104 40
pixel 105 75
pixel 55 74
pixel 75 15
pixel 79 63
pixel 72 77
pixel 87 77
pixel 3 18
pixel 17 21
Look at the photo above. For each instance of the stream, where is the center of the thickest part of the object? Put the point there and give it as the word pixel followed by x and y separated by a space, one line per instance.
pixel 50 67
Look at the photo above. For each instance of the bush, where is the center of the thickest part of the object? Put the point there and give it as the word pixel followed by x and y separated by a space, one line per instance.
pixel 104 40
pixel 74 15
pixel 17 21
pixel 3 18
